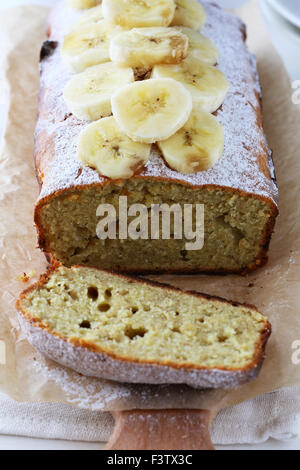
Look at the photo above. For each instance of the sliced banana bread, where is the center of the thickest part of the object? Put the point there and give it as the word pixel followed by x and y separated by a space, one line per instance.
pixel 108 325
pixel 239 193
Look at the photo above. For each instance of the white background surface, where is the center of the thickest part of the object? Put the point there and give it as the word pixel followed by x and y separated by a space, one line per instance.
pixel 290 9
pixel 286 38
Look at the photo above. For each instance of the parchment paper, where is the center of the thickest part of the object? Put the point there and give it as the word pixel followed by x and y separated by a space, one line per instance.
pixel 275 289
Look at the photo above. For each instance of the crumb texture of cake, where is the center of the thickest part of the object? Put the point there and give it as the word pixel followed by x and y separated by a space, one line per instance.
pixel 93 320
pixel 234 229
pixel 239 192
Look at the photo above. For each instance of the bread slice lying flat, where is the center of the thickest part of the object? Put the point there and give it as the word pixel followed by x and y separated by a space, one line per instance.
pixel 108 325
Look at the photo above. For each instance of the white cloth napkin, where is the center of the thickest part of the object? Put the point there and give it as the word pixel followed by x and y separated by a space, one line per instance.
pixel 276 415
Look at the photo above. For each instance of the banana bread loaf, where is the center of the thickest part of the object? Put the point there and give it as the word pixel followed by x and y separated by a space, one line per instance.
pixel 131 330
pixel 239 192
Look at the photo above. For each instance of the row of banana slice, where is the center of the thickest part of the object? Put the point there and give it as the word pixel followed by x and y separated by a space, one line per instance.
pixel 148 12
pixel 172 108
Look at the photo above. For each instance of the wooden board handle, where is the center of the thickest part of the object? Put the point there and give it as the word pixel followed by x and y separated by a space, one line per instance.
pixel 161 430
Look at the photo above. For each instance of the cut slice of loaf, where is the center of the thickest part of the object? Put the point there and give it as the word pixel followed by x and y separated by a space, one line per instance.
pixel 112 326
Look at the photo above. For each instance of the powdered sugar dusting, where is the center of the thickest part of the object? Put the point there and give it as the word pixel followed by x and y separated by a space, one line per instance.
pixel 102 395
pixel 238 168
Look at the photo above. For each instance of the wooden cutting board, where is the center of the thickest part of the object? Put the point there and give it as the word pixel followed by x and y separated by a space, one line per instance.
pixel 161 430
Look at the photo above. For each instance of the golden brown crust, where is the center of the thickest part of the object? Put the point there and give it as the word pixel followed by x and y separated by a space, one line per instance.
pixel 260 346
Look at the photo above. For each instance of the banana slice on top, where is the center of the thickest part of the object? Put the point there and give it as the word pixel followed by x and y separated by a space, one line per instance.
pixel 88 94
pixel 94 15
pixel 88 45
pixel 142 47
pixel 103 146
pixel 207 85
pixel 197 146
pixel 139 13
pixel 189 13
pixel 152 110
pixel 200 47
pixel 82 4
